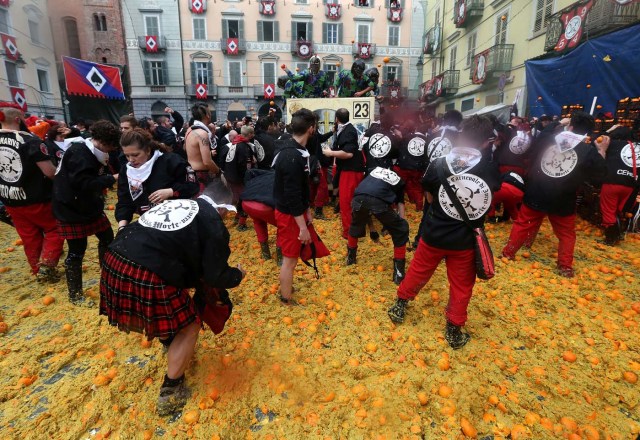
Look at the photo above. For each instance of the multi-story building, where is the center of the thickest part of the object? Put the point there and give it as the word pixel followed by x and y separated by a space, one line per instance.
pixel 235 47
pixel 29 73
pixel 475 50
pixel 154 52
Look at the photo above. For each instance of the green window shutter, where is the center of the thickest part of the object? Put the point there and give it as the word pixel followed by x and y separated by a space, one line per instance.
pixel 209 73
pixel 340 33
pixel 384 73
pixel 165 73
pixel 225 29
pixel 147 72
pixel 310 31
pixel 324 33
pixel 194 73
pixel 294 34
pixel 241 29
pixel 399 75
pixel 276 31
pixel 260 31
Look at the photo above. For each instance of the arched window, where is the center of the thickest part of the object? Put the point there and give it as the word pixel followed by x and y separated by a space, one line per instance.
pixel 73 40
pixel 103 20
pixel 96 22
pixel 99 22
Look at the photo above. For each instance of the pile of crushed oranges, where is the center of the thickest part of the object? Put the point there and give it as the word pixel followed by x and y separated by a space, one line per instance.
pixel 549 357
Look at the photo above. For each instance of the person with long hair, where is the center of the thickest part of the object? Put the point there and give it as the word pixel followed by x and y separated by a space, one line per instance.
pixel 151 176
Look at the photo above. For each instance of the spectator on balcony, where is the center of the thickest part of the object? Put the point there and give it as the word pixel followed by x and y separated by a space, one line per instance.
pixel 347 81
pixel 316 82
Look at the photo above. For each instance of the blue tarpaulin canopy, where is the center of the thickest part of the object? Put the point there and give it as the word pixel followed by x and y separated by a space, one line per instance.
pixel 610 64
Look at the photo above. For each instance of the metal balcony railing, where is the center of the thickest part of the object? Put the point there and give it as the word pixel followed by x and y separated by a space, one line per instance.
pixel 432 40
pixel 162 42
pixel 242 46
pixel 499 59
pixel 258 91
pixel 450 82
pixel 234 91
pixel 212 90
pixel 356 49
pixel 466 10
pixel 385 90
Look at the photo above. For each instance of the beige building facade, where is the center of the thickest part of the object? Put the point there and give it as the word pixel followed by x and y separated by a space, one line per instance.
pixel 31 77
pixel 475 50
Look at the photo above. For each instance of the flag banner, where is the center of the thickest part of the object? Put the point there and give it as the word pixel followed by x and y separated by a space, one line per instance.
pixel 480 67
pixel 85 78
pixel 364 50
pixel 304 49
pixel 151 43
pixel 394 92
pixel 437 85
pixel 202 91
pixel 395 14
pixel 460 10
pixel 4 3
pixel 10 47
pixel 333 11
pixel 232 46
pixel 269 91
pixel 198 6
pixel 267 7
pixel 573 25
pixel 18 96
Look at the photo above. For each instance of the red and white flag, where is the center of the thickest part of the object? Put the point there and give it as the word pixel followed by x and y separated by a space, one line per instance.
pixel 19 97
pixel 197 6
pixel 201 91
pixel 151 43
pixel 4 3
pixel 10 47
pixel 573 25
pixel 232 46
pixel 364 50
pixel 268 7
pixel 333 11
pixel 396 14
pixel 269 91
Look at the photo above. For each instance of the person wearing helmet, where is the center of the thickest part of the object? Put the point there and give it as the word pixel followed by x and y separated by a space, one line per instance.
pixel 350 83
pixel 292 89
pixel 316 82
pixel 374 76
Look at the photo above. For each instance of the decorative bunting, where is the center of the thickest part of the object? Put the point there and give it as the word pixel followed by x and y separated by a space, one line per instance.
pixel 364 50
pixel 151 43
pixel 480 67
pixel 201 91
pixel 333 11
pixel 19 97
pixel 10 47
pixel 232 46
pixel 395 14
pixel 269 91
pixel 198 6
pixel 573 25
pixel 267 7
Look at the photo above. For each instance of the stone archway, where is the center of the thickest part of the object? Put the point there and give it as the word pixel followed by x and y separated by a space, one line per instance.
pixel 236 111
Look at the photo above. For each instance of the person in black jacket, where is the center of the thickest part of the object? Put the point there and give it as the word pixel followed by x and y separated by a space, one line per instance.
pixel 292 197
pixel 236 158
pixel 78 199
pixel 257 201
pixel 150 177
pixel 151 265
pixel 446 236
pixel 319 172
pixel 551 189
pixel 266 133
pixel 164 132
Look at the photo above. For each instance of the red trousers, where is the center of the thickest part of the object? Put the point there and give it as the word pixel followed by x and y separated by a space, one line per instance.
pixel 262 215
pixel 320 191
pixel 527 226
pixel 516 169
pixel 413 188
pixel 349 180
pixel 612 200
pixel 461 272
pixel 510 197
pixel 38 229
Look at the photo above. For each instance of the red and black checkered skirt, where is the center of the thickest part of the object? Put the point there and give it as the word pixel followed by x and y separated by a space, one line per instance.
pixel 135 299
pixel 72 231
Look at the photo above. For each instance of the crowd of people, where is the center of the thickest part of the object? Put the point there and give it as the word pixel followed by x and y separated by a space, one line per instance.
pixel 167 273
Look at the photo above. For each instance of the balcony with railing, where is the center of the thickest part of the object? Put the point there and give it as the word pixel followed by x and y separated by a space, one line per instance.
pixel 450 82
pixel 387 90
pixel 162 42
pixel 498 59
pixel 302 48
pixel 258 91
pixel 212 90
pixel 604 17
pixel 465 11
pixel 242 46
pixel 234 91
pixel 432 40
pixel 359 51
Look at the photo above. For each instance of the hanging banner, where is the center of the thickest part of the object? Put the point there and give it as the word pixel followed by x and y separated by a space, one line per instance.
pixel 10 47
pixel 269 91
pixel 85 78
pixel 333 11
pixel 364 50
pixel 151 43
pixel 232 46
pixel 437 85
pixel 395 14
pixel 19 97
pixel 394 92
pixel 304 49
pixel 198 6
pixel 573 25
pixel 267 7
pixel 480 67
pixel 460 10
pixel 201 91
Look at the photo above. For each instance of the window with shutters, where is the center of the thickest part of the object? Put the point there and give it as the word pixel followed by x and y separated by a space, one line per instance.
pixel 152 25
pixel 391 74
pixel 157 73
pixel 268 31
pixel 43 80
pixel 235 74
pixel 544 10
pixel 332 33
pixel 393 4
pixel 453 54
pixel 301 30
pixel 12 74
pixel 34 31
pixel 268 72
pixel 434 69
pixel 233 29
pixel 332 70
pixel 4 21
pixel 394 36
pixel 202 72
pixel 364 33
pixel 199 28
pixel 363 3
pixel 471 48
pixel 436 17
pixel 501 27
pixel 302 2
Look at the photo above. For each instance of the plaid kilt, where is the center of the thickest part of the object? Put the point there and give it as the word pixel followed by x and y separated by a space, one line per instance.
pixel 135 299
pixel 72 231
